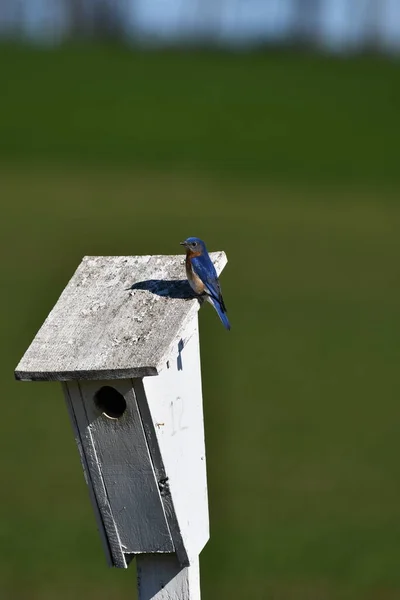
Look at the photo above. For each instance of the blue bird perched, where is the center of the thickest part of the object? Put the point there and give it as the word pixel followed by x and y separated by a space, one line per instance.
pixel 203 277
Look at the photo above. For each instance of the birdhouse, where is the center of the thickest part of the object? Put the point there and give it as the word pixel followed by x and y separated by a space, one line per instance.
pixel 123 339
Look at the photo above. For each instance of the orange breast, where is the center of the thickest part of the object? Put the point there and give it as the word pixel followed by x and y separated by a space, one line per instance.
pixel 194 280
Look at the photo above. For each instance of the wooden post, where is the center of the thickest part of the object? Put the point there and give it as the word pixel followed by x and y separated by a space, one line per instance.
pixel 163 578
pixel 123 340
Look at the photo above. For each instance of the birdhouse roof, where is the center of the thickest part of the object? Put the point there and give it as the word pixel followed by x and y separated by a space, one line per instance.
pixel 118 317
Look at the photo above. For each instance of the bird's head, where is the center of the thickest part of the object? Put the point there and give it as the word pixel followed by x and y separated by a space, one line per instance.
pixel 194 245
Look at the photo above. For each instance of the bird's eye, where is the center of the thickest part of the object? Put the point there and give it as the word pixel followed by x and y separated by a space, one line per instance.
pixel 193 244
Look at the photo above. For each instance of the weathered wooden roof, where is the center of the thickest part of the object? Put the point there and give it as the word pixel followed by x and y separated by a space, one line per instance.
pixel 118 317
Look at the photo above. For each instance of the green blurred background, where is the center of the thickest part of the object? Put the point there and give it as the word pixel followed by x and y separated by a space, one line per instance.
pixel 289 162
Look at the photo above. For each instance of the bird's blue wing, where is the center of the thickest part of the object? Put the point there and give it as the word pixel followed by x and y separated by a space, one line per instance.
pixel 203 267
pixel 205 270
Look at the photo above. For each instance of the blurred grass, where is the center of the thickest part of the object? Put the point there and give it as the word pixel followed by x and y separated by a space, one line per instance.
pixel 290 164
pixel 278 114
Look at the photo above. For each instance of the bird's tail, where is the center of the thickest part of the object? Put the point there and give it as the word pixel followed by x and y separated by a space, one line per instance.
pixel 221 311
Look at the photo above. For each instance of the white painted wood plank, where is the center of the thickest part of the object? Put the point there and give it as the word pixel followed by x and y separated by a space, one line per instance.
pixel 176 411
pixel 117 318
pixel 127 472
pixel 160 577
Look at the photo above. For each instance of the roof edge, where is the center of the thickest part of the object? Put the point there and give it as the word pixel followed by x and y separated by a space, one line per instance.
pixel 88 375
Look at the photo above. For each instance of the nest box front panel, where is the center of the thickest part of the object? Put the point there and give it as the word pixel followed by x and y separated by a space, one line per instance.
pixel 120 468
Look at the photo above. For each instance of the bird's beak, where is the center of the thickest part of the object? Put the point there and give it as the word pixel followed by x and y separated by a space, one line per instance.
pixel 183 244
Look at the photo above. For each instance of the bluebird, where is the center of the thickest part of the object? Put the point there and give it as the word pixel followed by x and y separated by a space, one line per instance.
pixel 202 276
